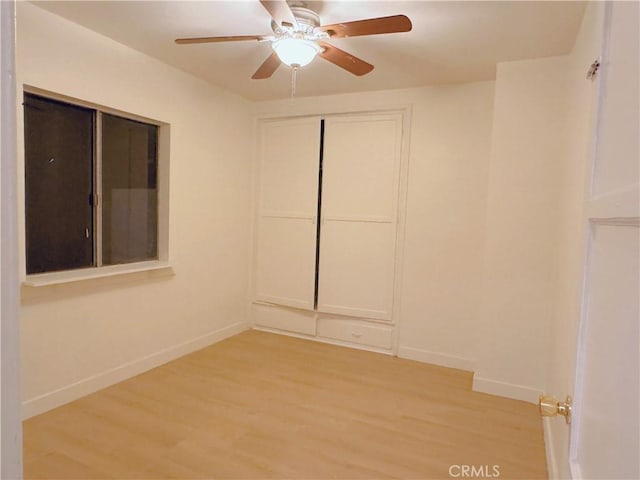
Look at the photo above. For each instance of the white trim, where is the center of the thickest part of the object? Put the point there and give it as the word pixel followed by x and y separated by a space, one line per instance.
pixel 507 390
pixel 366 320
pixel 272 300
pixel 436 358
pixel 290 215
pixel 90 273
pixel 354 312
pixel 361 219
pixel 624 202
pixel 401 216
pixel 302 111
pixel 55 398
pixel 550 449
pixel 576 471
pixel 88 104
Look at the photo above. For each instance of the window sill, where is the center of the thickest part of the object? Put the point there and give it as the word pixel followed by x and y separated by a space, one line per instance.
pixel 57 278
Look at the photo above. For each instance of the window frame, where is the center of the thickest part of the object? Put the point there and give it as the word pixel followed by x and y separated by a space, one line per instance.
pixel 98 270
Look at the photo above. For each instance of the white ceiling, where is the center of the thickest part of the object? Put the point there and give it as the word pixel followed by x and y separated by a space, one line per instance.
pixel 451 41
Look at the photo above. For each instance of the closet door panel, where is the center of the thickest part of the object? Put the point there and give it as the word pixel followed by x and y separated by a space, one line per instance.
pixel 360 168
pixel 290 157
pixel 286 237
pixel 356 269
pixel 359 209
pixel 286 270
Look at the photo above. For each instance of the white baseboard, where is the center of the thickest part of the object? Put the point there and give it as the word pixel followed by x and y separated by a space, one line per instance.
pixel 549 447
pixel 435 358
pixel 503 389
pixel 66 394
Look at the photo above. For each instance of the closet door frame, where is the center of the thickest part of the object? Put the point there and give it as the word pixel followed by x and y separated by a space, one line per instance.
pixel 315 109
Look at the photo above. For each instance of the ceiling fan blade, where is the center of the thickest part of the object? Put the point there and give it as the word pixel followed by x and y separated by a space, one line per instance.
pixel 232 38
pixel 344 60
pixel 371 26
pixel 268 67
pixel 280 12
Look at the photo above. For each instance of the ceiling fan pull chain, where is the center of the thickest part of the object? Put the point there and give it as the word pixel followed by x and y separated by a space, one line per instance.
pixel 294 73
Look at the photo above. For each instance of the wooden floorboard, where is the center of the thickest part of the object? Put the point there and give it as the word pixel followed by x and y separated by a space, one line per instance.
pixel 261 405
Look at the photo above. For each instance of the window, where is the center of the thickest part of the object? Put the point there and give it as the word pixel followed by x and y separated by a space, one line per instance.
pixel 91 187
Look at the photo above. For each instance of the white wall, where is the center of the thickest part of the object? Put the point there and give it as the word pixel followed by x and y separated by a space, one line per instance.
pixel 10 425
pixel 447 181
pixel 80 337
pixel 442 272
pixel 528 148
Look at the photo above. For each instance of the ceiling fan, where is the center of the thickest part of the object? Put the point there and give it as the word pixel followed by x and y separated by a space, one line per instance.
pixel 298 37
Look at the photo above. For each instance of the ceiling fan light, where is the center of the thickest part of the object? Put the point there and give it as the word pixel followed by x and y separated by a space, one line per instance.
pixel 295 51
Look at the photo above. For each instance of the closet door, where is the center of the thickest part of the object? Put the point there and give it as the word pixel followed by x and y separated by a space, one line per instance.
pixel 288 204
pixel 360 177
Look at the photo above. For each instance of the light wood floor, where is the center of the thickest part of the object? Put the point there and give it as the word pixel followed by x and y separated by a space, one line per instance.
pixel 260 405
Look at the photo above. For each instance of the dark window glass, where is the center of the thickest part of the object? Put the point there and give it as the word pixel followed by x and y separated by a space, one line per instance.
pixel 129 190
pixel 58 185
pixel 60 178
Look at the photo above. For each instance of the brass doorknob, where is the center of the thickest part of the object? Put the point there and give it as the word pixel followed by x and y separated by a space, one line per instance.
pixel 550 407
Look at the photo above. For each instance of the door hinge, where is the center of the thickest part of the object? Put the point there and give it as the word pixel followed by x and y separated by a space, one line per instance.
pixel 593 69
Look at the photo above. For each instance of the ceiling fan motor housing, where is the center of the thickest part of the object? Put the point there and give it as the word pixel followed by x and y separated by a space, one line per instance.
pixel 307 20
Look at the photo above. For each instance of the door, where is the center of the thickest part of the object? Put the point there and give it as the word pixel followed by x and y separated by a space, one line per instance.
pixel 288 207
pixel 10 397
pixel 360 172
pixel 604 431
